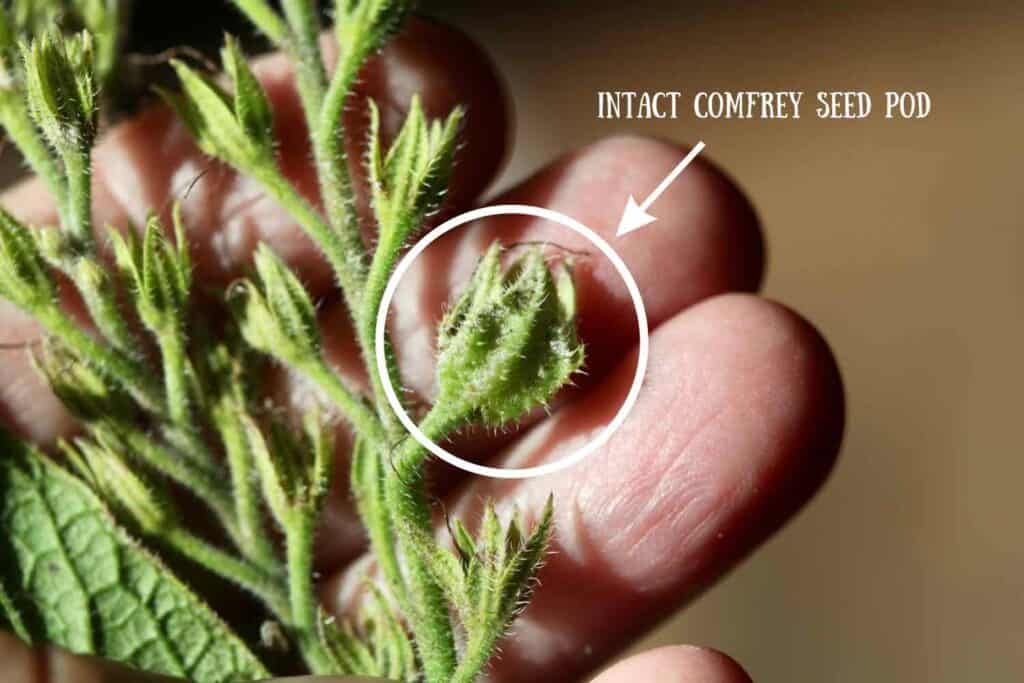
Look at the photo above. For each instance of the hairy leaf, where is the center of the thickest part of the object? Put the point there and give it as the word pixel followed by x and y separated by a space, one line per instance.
pixel 83 584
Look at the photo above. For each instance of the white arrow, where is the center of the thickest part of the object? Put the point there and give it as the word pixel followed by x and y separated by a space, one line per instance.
pixel 635 216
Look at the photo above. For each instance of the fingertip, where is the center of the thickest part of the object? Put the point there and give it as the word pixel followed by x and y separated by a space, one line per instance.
pixel 677 664
pixel 704 200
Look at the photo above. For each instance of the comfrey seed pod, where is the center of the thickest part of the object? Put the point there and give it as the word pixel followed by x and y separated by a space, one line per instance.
pixel 102 461
pixel 510 342
pixel 159 272
pixel 275 314
pixel 25 279
pixel 62 90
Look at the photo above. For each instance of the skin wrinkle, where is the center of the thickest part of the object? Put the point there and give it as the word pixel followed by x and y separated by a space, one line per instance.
pixel 695 507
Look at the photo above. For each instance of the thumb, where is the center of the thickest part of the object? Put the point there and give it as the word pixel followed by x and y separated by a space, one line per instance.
pixel 20 663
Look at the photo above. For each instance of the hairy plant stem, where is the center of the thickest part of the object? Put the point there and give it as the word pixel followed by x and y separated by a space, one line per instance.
pixel 264 586
pixel 349 261
pixel 405 494
pixel 369 427
pixel 78 216
pixel 208 485
pixel 324 106
pixel 300 532
pixel 353 408
pixel 251 532
pixel 329 241
pixel 16 121
pixel 175 362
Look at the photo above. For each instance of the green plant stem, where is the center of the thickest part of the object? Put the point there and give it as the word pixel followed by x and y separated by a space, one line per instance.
pixel 354 409
pixel 16 121
pixel 175 363
pixel 302 17
pixel 328 138
pixel 329 241
pixel 106 313
pixel 78 169
pixel 477 653
pixel 367 326
pixel 207 485
pixel 405 492
pixel 323 104
pixel 241 573
pixel 251 530
pixel 368 489
pixel 114 363
pixel 301 533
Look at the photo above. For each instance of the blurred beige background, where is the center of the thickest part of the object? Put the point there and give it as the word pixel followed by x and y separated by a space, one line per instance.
pixel 903 242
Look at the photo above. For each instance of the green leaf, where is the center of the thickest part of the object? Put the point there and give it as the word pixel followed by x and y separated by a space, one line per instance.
pixel 85 585
pixel 10 616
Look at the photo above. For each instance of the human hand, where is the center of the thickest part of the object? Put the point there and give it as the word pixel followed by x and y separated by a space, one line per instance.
pixel 738 423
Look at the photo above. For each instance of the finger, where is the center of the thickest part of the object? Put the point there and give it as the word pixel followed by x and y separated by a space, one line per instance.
pixel 20 663
pixel 737 425
pixel 679 664
pixel 707 242
pixel 146 163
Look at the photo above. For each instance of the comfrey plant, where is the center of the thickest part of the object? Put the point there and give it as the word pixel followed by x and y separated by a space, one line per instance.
pixel 169 396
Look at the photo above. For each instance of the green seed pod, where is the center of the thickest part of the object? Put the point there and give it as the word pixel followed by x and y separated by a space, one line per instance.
pixel 160 275
pixel 25 279
pixel 237 127
pixel 85 392
pixel 509 343
pixel 275 314
pixel 102 462
pixel 62 90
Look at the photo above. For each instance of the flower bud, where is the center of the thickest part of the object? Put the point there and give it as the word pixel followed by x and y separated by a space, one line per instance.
pixel 509 343
pixel 236 128
pixel 62 90
pixel 160 274
pixel 86 393
pixel 55 246
pixel 275 314
pixel 102 462
pixel 25 279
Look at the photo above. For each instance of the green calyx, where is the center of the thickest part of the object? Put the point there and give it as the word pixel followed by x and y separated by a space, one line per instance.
pixel 61 84
pixel 25 279
pixel 509 342
pixel 275 314
pixel 158 272
pixel 236 126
